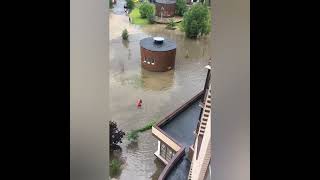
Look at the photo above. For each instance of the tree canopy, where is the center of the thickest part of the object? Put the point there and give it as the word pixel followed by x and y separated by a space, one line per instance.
pixel 197 21
pixel 116 135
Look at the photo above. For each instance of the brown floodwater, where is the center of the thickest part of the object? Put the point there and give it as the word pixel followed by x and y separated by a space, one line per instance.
pixel 161 93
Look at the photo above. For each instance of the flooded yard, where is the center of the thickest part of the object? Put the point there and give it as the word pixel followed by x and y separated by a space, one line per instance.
pixel 161 92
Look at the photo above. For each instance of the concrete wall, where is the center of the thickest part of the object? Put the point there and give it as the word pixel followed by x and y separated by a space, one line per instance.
pixel 201 161
pixel 200 165
pixel 165 139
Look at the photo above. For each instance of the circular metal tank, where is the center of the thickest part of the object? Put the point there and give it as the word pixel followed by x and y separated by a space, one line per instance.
pixel 157 54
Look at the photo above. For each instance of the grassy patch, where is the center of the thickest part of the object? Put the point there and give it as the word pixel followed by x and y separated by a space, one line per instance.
pixel 136 17
pixel 179 25
pixel 133 135
pixel 115 166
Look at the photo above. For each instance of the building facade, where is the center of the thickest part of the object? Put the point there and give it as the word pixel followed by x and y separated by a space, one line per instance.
pixel 157 56
pixel 201 155
pixel 184 138
pixel 165 8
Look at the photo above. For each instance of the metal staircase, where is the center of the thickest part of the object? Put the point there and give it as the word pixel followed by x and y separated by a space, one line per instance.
pixel 206 113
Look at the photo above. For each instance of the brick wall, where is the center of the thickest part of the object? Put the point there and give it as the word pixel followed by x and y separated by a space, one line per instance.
pixel 169 10
pixel 163 60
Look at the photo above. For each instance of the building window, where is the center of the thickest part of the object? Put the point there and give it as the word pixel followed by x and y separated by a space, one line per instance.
pixel 163 150
pixel 149 61
pixel 166 152
pixel 168 155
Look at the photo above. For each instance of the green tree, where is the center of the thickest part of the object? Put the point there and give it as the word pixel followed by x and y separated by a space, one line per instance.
pixel 115 166
pixel 146 10
pixel 181 7
pixel 110 4
pixel 115 136
pixel 130 4
pixel 197 21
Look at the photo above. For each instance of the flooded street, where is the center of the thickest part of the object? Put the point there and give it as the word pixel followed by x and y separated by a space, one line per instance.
pixel 161 93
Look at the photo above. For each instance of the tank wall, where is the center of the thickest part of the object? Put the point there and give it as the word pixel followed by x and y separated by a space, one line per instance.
pixel 162 60
pixel 169 10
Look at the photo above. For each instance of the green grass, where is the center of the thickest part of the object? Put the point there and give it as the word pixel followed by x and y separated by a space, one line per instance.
pixel 115 166
pixel 179 25
pixel 133 135
pixel 136 18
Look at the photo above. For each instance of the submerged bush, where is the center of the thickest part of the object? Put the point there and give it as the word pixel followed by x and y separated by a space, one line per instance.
pixel 133 135
pixel 125 34
pixel 171 24
pixel 115 166
pixel 151 19
pixel 146 10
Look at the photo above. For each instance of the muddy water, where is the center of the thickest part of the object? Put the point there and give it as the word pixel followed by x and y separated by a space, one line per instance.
pixel 161 93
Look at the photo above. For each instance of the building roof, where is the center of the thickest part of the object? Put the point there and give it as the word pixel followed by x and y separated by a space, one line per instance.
pixel 182 126
pixel 166 1
pixel 181 170
pixel 148 43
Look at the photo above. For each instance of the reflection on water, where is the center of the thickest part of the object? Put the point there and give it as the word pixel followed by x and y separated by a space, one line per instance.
pixel 161 92
pixel 133 146
pixel 160 166
pixel 157 81
pixel 125 43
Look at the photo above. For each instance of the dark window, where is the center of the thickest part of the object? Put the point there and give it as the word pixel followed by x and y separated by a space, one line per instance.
pixel 166 152
pixel 163 150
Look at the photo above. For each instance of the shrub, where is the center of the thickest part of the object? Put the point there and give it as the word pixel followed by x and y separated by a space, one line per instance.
pixel 115 167
pixel 197 21
pixel 110 4
pixel 130 4
pixel 147 126
pixel 146 10
pixel 181 7
pixel 116 135
pixel 125 34
pixel 171 24
pixel 133 135
pixel 151 19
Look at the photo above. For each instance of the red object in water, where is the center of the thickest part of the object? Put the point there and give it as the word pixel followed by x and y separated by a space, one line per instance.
pixel 139 103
